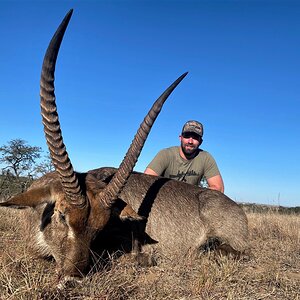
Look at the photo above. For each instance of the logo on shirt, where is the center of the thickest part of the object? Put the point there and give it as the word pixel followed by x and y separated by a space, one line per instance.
pixel 181 176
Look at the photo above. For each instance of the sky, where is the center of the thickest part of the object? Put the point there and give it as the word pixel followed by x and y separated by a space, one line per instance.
pixel 117 57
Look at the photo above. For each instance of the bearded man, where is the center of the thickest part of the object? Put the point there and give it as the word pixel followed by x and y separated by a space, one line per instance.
pixel 187 162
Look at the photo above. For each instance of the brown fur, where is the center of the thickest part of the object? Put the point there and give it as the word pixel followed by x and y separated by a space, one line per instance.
pixel 176 218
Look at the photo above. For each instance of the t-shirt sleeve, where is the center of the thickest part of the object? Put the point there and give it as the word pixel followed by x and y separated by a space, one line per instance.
pixel 159 163
pixel 210 169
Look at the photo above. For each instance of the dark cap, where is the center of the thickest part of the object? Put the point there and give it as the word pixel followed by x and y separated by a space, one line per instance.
pixel 193 126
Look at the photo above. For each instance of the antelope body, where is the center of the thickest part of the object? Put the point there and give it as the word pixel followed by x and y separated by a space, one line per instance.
pixel 68 212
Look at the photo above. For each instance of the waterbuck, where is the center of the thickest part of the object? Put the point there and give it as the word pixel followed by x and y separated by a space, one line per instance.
pixel 68 212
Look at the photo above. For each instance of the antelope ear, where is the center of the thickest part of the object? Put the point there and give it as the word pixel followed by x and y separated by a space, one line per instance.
pixel 31 198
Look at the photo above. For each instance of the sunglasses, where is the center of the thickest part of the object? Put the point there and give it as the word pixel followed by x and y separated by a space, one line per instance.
pixel 188 135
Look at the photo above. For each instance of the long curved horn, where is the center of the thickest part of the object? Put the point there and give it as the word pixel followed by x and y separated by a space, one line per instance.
pixel 110 193
pixel 58 152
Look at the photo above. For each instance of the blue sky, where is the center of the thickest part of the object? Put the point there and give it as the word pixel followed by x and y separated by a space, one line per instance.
pixel 117 57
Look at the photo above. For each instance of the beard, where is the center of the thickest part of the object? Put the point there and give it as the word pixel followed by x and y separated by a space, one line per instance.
pixel 189 150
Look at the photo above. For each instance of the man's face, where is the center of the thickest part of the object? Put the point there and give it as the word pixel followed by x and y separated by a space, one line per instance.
pixel 190 142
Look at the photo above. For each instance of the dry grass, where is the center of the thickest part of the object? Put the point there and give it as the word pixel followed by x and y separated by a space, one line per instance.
pixel 273 272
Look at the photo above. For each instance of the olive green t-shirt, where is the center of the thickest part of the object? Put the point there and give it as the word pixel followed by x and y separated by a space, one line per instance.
pixel 168 163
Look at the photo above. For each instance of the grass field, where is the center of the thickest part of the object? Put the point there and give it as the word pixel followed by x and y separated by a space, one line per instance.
pixel 273 271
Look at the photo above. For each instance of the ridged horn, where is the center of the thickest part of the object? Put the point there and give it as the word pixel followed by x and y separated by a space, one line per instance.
pixel 110 193
pixel 58 152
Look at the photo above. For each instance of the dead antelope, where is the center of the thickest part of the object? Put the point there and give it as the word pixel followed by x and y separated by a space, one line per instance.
pixel 69 212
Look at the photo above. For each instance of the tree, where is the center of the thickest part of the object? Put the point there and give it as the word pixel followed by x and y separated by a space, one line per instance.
pixel 22 164
pixel 44 167
pixel 19 157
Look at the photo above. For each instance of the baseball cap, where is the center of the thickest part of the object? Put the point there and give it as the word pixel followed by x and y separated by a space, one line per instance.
pixel 193 126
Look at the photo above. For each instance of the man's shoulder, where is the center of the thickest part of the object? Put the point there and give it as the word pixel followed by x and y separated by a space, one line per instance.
pixel 203 154
pixel 170 150
pixel 204 157
pixel 162 159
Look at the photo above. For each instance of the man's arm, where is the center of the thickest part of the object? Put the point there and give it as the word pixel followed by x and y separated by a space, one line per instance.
pixel 159 163
pixel 150 172
pixel 216 183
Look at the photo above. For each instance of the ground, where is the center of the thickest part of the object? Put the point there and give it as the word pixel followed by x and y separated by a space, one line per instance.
pixel 272 272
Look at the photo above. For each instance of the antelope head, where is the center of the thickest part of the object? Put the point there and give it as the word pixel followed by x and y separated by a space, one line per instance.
pixel 81 204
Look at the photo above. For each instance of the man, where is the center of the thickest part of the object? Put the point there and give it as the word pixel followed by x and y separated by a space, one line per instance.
pixel 187 162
